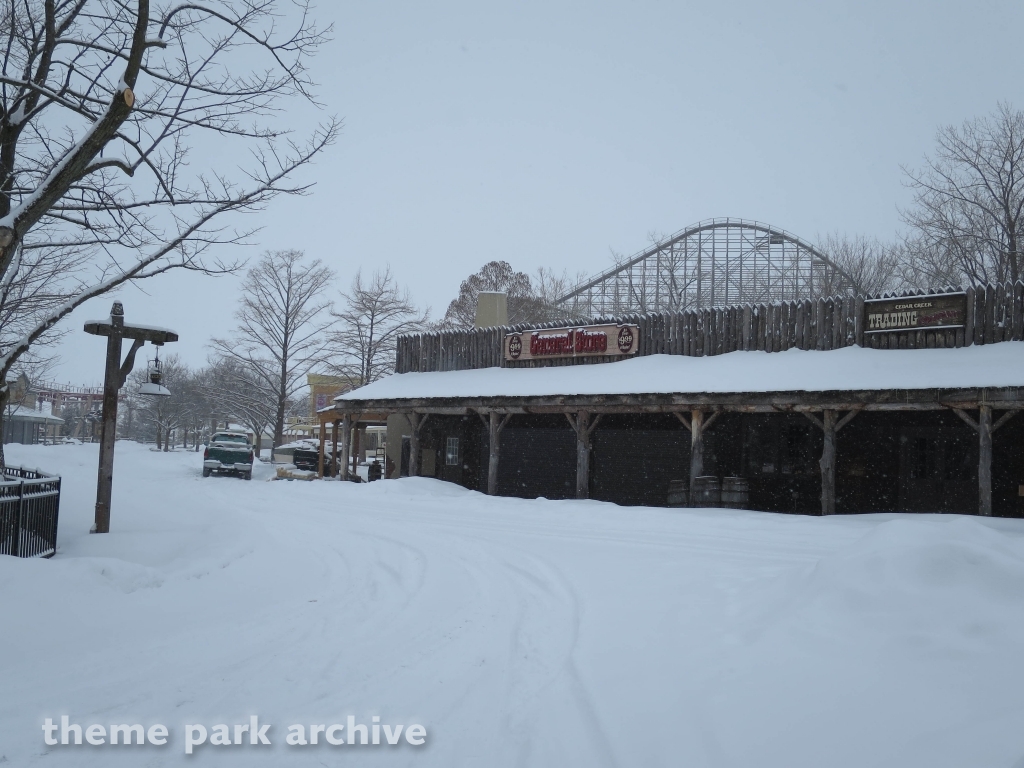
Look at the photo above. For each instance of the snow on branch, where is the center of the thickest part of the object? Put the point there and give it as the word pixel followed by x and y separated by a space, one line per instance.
pixel 102 104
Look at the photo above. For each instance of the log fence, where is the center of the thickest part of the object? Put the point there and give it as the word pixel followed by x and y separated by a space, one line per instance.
pixel 995 313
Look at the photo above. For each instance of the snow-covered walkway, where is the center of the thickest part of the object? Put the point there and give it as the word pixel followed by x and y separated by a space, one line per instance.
pixel 530 633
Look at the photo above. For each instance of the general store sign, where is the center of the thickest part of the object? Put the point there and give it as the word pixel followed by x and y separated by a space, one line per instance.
pixel 914 313
pixel 583 341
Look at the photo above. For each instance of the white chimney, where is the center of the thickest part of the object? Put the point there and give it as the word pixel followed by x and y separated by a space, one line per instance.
pixel 491 309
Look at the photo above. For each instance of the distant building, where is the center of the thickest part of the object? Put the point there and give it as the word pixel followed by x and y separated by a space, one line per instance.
pixel 323 389
pixel 29 417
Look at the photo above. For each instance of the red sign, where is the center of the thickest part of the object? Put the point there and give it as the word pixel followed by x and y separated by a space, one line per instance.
pixel 585 341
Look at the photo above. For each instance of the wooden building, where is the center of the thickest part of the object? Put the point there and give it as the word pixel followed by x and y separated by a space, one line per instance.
pixel 851 404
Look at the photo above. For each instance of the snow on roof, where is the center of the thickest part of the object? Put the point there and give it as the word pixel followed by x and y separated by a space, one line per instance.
pixel 848 369
pixel 109 320
pixel 298 444
pixel 24 413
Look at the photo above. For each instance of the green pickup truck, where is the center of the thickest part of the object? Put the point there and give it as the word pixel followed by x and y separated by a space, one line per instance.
pixel 229 452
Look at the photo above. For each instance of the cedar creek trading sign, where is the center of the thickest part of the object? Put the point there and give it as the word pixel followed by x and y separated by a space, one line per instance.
pixel 584 341
pixel 934 313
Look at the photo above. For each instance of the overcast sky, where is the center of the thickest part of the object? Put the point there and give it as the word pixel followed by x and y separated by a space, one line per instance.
pixel 552 133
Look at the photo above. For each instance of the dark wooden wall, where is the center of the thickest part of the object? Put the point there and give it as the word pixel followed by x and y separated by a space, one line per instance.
pixel 635 456
pixel 538 458
pixel 994 313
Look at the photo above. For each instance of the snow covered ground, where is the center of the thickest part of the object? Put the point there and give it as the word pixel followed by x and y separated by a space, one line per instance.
pixel 527 633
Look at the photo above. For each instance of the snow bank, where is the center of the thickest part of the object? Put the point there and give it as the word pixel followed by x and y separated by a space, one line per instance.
pixel 520 632
pixel 930 569
pixel 847 369
pixel 905 641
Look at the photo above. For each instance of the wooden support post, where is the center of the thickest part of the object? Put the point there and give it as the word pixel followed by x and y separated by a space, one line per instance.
pixel 696 424
pixel 414 444
pixel 828 463
pixel 416 422
pixel 334 447
pixel 323 446
pixel 346 443
pixel 985 428
pixel 830 426
pixel 583 455
pixel 696 449
pixel 584 428
pixel 355 449
pixel 985 460
pixel 495 424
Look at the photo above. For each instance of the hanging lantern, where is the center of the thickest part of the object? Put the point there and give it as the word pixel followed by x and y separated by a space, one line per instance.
pixel 154 386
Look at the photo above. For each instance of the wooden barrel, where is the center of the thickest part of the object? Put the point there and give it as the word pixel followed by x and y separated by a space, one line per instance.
pixel 679 493
pixel 707 491
pixel 735 492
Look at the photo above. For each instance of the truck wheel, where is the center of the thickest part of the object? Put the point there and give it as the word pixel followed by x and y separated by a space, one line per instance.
pixel 206 471
pixel 247 475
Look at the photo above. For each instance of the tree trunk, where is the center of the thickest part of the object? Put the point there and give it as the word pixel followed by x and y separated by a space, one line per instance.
pixel 282 395
pixel 159 442
pixel 279 422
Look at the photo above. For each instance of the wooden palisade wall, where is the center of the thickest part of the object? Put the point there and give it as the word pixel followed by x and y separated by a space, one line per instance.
pixel 994 313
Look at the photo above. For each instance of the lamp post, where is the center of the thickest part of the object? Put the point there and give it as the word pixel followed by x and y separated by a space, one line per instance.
pixel 113 379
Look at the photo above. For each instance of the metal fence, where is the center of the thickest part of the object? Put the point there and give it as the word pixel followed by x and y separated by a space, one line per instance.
pixel 29 502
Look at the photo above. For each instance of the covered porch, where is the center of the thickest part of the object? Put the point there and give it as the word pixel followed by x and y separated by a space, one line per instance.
pixel 812 432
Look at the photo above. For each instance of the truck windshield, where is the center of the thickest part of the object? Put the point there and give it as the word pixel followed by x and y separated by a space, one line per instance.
pixel 230 439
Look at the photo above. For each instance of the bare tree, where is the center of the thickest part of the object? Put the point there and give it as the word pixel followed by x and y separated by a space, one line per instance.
pixel 235 391
pixel 195 407
pixel 969 200
pixel 874 266
pixel 103 104
pixel 548 287
pixel 164 414
pixel 282 326
pixel 130 407
pixel 924 266
pixel 375 313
